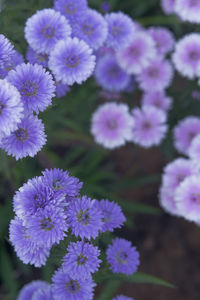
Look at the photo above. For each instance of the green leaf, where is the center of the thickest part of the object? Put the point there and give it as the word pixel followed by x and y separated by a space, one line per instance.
pixel 110 289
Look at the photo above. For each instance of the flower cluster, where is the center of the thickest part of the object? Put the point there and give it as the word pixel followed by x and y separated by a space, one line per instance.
pixel 49 208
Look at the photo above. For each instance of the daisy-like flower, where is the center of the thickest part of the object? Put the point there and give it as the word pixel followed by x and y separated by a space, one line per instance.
pixel 194 149
pixel 168 6
pixel 14 60
pixel 26 140
pixel 72 61
pixel 11 108
pixel 73 10
pixel 122 297
pixel 185 132
pixel 157 76
pixel 122 257
pixel 61 89
pixel 138 54
pixel 110 75
pixel 187 197
pixel 6 50
pixel 186 57
pixel 149 126
pixel 27 251
pixel 158 99
pixel 92 28
pixel 188 10
pixel 113 216
pixel 112 125
pixel 43 294
pixel 120 30
pixel 64 287
pixel 167 201
pixel 84 218
pixel 29 289
pixel 81 260
pixel 35 85
pixel 163 38
pixel 37 58
pixel 45 28
pixel 49 224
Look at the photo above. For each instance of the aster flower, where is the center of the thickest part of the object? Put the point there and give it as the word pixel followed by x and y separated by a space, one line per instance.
pixel 81 260
pixel 84 218
pixel 37 58
pixel 49 224
pixel 109 74
pixel 120 30
pixel 73 10
pixel 194 149
pixel 122 257
pixel 157 76
pixel 158 99
pixel 163 38
pixel 45 28
pixel 6 50
pixel 64 287
pixel 186 57
pixel 29 289
pixel 92 28
pixel 113 216
pixel 149 126
pixel 188 10
pixel 72 61
pixel 35 85
pixel 167 201
pixel 14 60
pixel 121 297
pixel 112 125
pixel 43 294
pixel 11 108
pixel 168 6
pixel 184 133
pixel 187 197
pixel 27 251
pixel 138 54
pixel 61 89
pixel 26 140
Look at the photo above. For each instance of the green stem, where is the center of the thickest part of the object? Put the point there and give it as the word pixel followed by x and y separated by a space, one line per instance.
pixel 158 20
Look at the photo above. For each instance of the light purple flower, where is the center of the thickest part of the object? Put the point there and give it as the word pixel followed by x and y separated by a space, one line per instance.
pixel 72 61
pixel 158 99
pixel 13 61
pixel 43 294
pixel 184 133
pixel 45 28
pixel 168 6
pixel 167 201
pixel 73 10
pixel 138 54
pixel 37 58
pixel 149 126
pixel 194 149
pixel 188 10
pixel 29 289
pixel 112 125
pixel 157 76
pixel 163 38
pixel 6 50
pixel 61 89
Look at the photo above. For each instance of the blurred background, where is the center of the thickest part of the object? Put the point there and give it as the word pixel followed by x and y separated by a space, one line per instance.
pixel 169 246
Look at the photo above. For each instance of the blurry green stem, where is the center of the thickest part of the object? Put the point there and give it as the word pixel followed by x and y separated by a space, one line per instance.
pixel 158 20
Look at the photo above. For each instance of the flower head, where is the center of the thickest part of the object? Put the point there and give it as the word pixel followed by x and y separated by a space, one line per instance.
pixel 188 10
pixel 112 125
pixel 10 64
pixel 167 201
pixel 122 257
pixel 31 288
pixel 72 61
pixel 37 58
pixel 6 50
pixel 158 99
pixel 194 149
pixel 61 89
pixel 163 38
pixel 44 293
pixel 73 10
pixel 168 6
pixel 45 28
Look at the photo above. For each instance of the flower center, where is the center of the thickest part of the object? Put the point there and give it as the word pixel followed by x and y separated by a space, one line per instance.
pixel 113 71
pixel 72 61
pixel 134 51
pixel 83 217
pixel 48 32
pixel 46 224
pixel 81 260
pixel 21 134
pixel 194 55
pixel 191 136
pixel 122 257
pixel 153 72
pixel 116 30
pixel 2 106
pixel 88 29
pixel 57 185
pixel 41 57
pixel 194 2
pixel 106 216
pixel 72 286
pixel 195 198
pixel 70 8
pixel 146 125
pixel 29 89
pixel 112 124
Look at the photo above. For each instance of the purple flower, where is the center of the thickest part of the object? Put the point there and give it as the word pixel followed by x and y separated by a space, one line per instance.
pixel 81 260
pixel 188 10
pixel 43 294
pixel 61 89
pixel 35 85
pixel 92 28
pixel 11 108
pixel 121 297
pixel 14 60
pixel 27 251
pixel 113 216
pixel 157 76
pixel 149 126
pixel 109 74
pixel 72 61
pixel 163 38
pixel 73 10
pixel 49 224
pixel 45 28
pixel 64 287
pixel 194 149
pixel 112 125
pixel 120 30
pixel 158 99
pixel 138 54
pixel 31 288
pixel 6 50
pixel 186 57
pixel 167 201
pixel 37 58
pixel 122 257
pixel 187 197
pixel 84 218
pixel 185 132
pixel 168 6
pixel 26 140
